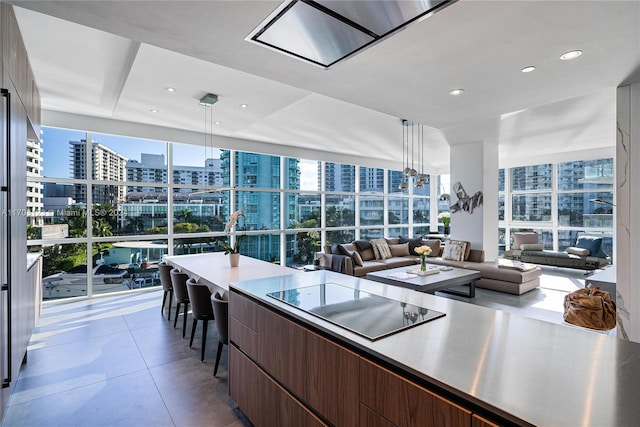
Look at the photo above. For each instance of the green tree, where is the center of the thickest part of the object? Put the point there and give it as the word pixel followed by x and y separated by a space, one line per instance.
pixel 33 233
pixel 101 227
pixel 185 214
pixel 76 218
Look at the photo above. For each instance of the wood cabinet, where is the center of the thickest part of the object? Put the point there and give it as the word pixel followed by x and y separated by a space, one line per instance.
pixel 404 403
pixel 18 69
pixel 368 418
pixel 312 368
pixel 281 372
pixel 478 421
pixel 243 321
pixel 18 306
pixel 263 401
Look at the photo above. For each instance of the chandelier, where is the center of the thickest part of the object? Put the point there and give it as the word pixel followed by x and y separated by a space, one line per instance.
pixel 412 155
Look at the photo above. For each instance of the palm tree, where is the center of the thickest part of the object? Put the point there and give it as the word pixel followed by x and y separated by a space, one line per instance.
pixel 101 228
pixel 185 214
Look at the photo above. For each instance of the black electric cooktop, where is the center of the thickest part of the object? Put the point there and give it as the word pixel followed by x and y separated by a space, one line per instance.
pixel 372 316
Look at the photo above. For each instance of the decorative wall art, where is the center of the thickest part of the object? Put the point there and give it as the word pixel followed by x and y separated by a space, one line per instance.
pixel 465 203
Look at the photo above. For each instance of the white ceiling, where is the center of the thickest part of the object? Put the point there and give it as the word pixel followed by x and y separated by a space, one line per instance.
pixel 106 63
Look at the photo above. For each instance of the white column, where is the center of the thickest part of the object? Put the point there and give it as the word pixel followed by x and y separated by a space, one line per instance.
pixel 475 166
pixel 628 205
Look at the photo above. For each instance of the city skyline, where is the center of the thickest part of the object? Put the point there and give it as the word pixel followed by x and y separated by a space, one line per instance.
pixel 57 164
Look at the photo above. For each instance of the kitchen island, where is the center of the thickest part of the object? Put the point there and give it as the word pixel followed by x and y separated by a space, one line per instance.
pixel 473 366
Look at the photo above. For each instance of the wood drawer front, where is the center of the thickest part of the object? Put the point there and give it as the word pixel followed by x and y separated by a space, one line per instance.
pixel 244 310
pixel 244 337
pixel 281 351
pixel 368 418
pixel 243 383
pixel 404 403
pixel 478 421
pixel 333 380
pixel 263 401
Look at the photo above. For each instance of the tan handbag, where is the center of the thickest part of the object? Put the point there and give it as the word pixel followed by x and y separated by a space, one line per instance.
pixel 590 308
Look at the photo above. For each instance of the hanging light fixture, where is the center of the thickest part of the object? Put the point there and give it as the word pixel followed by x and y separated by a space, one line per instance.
pixel 207 102
pixel 412 154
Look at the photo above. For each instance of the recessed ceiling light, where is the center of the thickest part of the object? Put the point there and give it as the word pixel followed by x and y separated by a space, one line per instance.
pixel 243 105
pixel 153 110
pixel 170 89
pixel 218 122
pixel 528 69
pixel 456 92
pixel 573 54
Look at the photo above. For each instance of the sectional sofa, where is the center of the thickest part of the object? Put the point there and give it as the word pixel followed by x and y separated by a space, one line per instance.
pixel 587 254
pixel 361 257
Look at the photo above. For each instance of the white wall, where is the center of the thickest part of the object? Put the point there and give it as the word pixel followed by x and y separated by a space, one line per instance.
pixel 475 166
pixel 627 218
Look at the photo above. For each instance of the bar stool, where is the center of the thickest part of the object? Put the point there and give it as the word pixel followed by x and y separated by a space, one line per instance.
pixel 201 309
pixel 179 282
pixel 167 287
pixel 220 306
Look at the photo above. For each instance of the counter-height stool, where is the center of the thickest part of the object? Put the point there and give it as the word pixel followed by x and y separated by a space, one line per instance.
pixel 179 282
pixel 221 312
pixel 201 309
pixel 165 279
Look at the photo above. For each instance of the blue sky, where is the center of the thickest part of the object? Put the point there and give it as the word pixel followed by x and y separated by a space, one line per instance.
pixel 57 159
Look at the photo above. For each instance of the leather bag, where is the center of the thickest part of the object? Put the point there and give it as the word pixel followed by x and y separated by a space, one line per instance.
pixel 590 308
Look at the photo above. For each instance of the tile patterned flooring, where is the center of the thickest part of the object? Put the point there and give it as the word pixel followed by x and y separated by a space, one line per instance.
pixel 116 361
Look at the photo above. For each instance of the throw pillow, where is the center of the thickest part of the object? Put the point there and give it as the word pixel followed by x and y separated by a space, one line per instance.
pixel 356 258
pixel 522 237
pixel 532 247
pixel 362 245
pixel 343 250
pixel 380 249
pixel 413 244
pixel 593 243
pixel 401 249
pixel 435 245
pixel 577 251
pixel 365 249
pixel 454 251
pixel 466 248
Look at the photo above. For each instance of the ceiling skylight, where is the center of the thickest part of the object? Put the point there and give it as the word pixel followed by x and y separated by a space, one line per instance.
pixel 324 32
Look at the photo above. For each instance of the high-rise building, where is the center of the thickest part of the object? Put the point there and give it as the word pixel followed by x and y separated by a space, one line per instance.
pixel 338 177
pixel 151 168
pixel 108 165
pixel 209 175
pixel 34 189
pixel 371 179
pixel 261 208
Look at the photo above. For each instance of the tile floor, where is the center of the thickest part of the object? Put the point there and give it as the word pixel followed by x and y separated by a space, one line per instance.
pixel 116 361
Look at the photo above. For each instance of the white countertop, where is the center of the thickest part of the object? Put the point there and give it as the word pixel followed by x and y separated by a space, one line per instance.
pixel 213 269
pixel 527 370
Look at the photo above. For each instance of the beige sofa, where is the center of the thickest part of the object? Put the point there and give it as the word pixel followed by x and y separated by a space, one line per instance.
pixel 357 260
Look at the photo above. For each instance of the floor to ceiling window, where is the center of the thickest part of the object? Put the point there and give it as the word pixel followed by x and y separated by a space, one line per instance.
pixel 111 207
pixel 560 201
pixel 105 209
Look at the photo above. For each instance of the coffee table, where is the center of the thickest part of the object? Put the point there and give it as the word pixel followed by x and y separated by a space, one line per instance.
pixel 430 283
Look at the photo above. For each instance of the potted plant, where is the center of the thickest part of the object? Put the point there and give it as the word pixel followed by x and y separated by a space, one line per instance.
pixel 233 251
pixel 445 217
